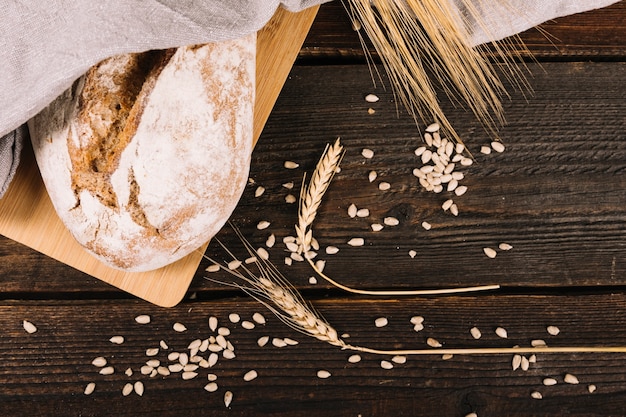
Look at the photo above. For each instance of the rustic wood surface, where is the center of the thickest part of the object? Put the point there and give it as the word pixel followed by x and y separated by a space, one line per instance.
pixel 556 194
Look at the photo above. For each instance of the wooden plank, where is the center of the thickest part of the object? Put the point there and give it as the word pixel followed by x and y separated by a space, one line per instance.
pixel 45 373
pixel 597 34
pixel 27 215
pixel 556 194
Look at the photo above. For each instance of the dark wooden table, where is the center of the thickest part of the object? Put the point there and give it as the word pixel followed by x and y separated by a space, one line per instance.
pixel 557 195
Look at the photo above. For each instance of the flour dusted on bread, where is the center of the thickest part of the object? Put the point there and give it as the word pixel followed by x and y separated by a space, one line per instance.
pixel 146 156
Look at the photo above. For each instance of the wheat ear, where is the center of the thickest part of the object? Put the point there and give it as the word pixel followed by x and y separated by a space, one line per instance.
pixel 272 289
pixel 310 199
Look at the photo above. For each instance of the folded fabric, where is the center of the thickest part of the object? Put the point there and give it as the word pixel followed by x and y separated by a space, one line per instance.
pixel 49 44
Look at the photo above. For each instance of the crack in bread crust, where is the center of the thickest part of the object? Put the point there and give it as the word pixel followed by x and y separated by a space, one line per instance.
pixel 110 116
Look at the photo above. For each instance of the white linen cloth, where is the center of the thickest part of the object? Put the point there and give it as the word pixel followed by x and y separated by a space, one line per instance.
pixel 48 44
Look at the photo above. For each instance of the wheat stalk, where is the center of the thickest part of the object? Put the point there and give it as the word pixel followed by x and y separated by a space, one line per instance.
pixel 310 199
pixel 421 41
pixel 272 289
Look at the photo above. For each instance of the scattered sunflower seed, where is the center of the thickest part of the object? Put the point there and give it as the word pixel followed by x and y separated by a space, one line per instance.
pixel 278 342
pixel 367 153
pixel 412 253
pixel 250 375
pixel 179 327
pixel 258 318
pixel 99 362
pixel 211 387
pixel 213 323
pixel 426 225
pixel 517 361
pixel 128 372
pixel 460 190
pixel 118 340
pixel 152 351
pixel 591 388
pixel 356 241
pixel 381 322
pixel 163 345
pixel 386 364
pixel 433 342
pixel 447 204
pixel 391 221
pixel 259 191
pixel 248 325
pixel 89 389
pixel 549 381
pixel 570 379
pixel 376 227
pixel 501 332
pixel 553 330
pixel 312 280
pixel 290 199
pixel 143 319
pixel 128 388
pixel 234 264
pixel 354 358
pixel 497 146
pixel 331 250
pixel 536 395
pixel 371 98
pixel 505 246
pixel 475 332
pixel 490 252
pixel 228 398
pixel 372 176
pixel 384 186
pixel 29 327
pixel 288 185
pixel 139 388
pixel 291 165
pixel 525 363
pixel 263 224
pixel 263 254
pixel 109 370
pixel 323 374
pixel 213 268
pixel 371 111
pixel 189 375
pixel 432 128
pixel 538 343
pixel 352 210
pixel 454 209
pixel 399 359
pixel 485 150
pixel 363 212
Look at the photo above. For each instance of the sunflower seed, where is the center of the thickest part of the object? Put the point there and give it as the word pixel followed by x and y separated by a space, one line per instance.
pixel 376 227
pixel 447 204
pixel 525 363
pixel 352 210
pixel 250 375
pixel 356 241
pixel 228 398
pixel 549 381
pixel 570 379
pixel 118 340
pixel 89 389
pixel 412 253
pixel 174 367
pixel 213 268
pixel 372 176
pixel 320 264
pixel 234 264
pixel 384 186
pixel 497 146
pixel 386 364
pixel 99 362
pixel 370 110
pixel 371 98
pixel 591 388
pixel 213 323
pixel 536 395
pixel 263 224
pixel 538 343
pixel 312 280
pixel 491 253
pixel 211 387
pixel 354 359
pixel 128 388
pixel 381 322
pixel 475 332
pixel 291 165
pixel 323 374
pixel 454 209
pixel 433 342
pixel 426 225
pixel 128 372
pixel 248 325
pixel 453 185
pixel 517 361
pixel 553 330
pixel 138 388
pixel 29 327
pixel 331 250
pixel 485 150
pixel 433 127
pixel 179 327
pixel 418 327
pixel 142 319
pixel 290 199
pixel 259 191
pixel 363 212
pixel 391 221
pixel 258 318
pixel 367 153
pixel 466 161
pixel 109 370
pixel 263 254
pixel 152 351
pixel 278 342
pixel 460 190
pixel 501 332
pixel 399 359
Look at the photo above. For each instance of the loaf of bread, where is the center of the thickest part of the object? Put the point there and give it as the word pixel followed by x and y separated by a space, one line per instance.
pixel 146 156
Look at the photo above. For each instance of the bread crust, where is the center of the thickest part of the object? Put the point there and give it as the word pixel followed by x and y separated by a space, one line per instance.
pixel 146 156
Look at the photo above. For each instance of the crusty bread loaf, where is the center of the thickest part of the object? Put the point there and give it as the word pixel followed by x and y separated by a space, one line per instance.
pixel 146 156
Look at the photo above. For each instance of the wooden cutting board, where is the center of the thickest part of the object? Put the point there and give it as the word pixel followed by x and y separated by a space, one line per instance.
pixel 27 215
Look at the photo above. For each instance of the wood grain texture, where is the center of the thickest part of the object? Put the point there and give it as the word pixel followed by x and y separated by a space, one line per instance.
pixel 598 34
pixel 48 370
